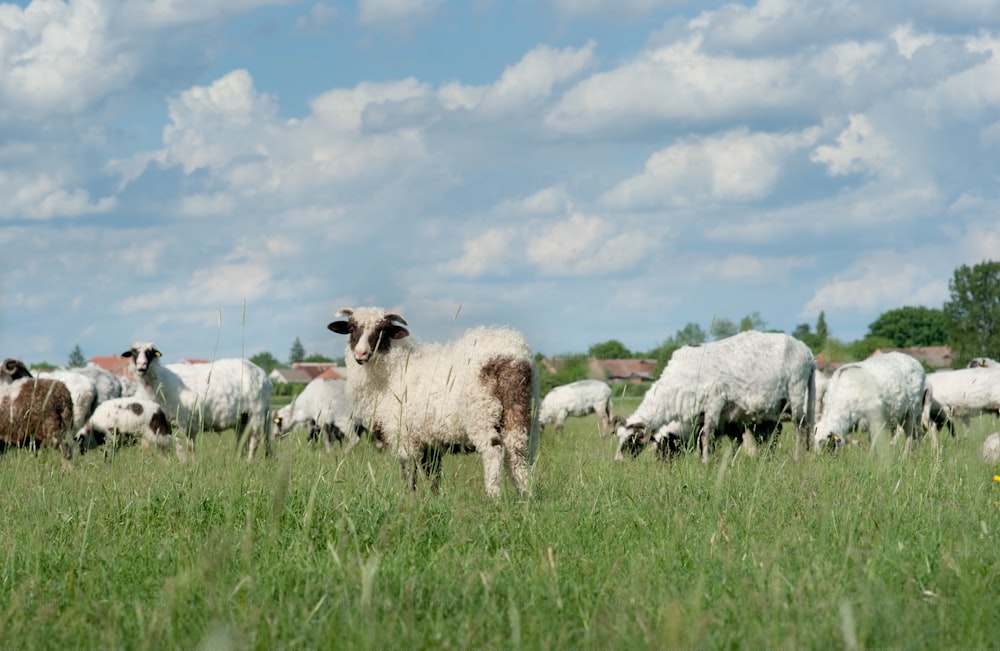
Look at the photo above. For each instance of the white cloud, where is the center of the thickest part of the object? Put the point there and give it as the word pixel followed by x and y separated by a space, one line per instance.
pixel 582 245
pixel 881 280
pixel 487 254
pixel 548 201
pixel 523 84
pixel 859 148
pixel 908 41
pixel 44 197
pixel 372 12
pixel 733 166
pixel 616 7
pixel 748 269
pixel 224 284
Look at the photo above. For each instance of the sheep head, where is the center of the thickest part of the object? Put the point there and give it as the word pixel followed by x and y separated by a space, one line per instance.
pixel 13 369
pixel 370 331
pixel 142 355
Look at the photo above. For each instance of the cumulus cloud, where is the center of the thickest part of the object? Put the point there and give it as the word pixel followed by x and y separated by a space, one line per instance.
pixel 226 283
pixel 486 254
pixel 586 245
pixel 880 281
pixel 733 166
pixel 42 197
pixel 859 148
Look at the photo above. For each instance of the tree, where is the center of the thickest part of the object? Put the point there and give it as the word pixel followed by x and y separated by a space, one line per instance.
pixel 721 328
pixel 689 334
pixel 611 349
pixel 76 358
pixel 753 322
pixel 266 361
pixel 570 369
pixel 821 330
pixel 973 313
pixel 911 326
pixel 803 332
pixel 316 358
pixel 297 353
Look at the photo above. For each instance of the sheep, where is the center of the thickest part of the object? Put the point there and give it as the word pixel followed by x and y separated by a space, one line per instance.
pixel 966 392
pixel 577 399
pixel 424 399
pixel 81 388
pixel 983 362
pixel 108 384
pixel 124 421
pixel 821 381
pixel 991 448
pixel 322 406
pixel 228 393
pixel 884 391
pixel 749 378
pixel 33 411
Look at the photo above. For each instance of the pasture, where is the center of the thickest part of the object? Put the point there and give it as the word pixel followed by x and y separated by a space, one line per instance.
pixel 315 550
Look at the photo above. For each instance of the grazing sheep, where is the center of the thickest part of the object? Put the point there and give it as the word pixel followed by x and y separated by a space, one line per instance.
pixel 884 391
pixel 228 393
pixel 749 378
pixel 81 388
pixel 577 399
pixel 991 448
pixel 322 406
pixel 108 384
pixel 125 421
pixel 424 399
pixel 966 392
pixel 33 411
pixel 983 362
pixel 821 381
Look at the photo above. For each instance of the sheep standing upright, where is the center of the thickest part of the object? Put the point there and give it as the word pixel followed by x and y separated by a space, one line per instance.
pixel 577 399
pixel 425 399
pixel 749 379
pixel 228 393
pixel 33 411
pixel 882 392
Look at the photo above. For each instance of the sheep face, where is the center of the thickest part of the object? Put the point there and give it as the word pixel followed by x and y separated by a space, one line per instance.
pixel 142 356
pixel 370 331
pixel 632 439
pixel 13 369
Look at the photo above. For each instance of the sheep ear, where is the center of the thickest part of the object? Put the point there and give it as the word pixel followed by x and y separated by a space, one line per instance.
pixel 398 318
pixel 397 332
pixel 340 327
pixel 344 311
pixel 127 353
pixel 156 352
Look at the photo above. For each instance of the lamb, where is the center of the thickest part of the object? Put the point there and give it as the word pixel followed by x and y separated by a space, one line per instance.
pixel 33 411
pixel 884 391
pixel 577 399
pixel 424 399
pixel 966 392
pixel 747 379
pixel 322 406
pixel 124 421
pixel 228 393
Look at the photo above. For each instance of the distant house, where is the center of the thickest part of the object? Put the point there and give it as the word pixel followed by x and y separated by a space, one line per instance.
pixel 936 357
pixel 306 372
pixel 612 370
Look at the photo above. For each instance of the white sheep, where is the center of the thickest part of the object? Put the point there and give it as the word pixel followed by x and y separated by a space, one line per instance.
pixel 81 388
pixel 424 399
pixel 33 411
pixel 125 421
pixel 821 381
pixel 577 399
pixel 991 448
pixel 749 379
pixel 322 407
pixel 224 394
pixel 884 392
pixel 108 384
pixel 983 362
pixel 966 392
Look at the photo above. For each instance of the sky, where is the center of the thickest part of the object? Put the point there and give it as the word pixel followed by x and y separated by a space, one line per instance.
pixel 219 177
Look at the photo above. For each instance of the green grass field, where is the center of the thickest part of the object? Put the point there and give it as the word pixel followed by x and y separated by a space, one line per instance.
pixel 314 550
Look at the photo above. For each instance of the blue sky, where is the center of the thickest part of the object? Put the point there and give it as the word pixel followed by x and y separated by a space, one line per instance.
pixel 220 176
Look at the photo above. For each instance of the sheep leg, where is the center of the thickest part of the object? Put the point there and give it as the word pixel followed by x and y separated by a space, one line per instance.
pixel 518 468
pixel 409 468
pixel 492 463
pixel 430 461
pixel 241 426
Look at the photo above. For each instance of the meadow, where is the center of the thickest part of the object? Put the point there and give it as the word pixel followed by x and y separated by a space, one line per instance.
pixel 312 549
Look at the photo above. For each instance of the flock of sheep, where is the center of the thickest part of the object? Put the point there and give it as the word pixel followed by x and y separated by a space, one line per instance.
pixel 480 393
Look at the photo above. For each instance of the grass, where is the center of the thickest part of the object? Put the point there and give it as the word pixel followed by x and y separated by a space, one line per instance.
pixel 312 550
